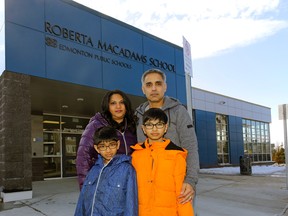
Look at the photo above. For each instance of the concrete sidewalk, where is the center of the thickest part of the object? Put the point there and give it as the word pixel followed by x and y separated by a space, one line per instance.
pixel 216 195
pixel 242 195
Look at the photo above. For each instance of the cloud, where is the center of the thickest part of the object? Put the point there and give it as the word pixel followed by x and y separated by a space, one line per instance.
pixel 210 26
pixel 212 36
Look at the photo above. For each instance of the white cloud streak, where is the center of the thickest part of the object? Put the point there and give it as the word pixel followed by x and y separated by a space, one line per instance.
pixel 210 26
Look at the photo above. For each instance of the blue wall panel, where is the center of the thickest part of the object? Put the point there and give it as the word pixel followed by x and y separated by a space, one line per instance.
pixel 201 128
pixel 73 18
pixel 63 40
pixel 64 62
pixel 162 53
pixel 172 85
pixel 115 77
pixel 180 76
pixel 179 62
pixel 206 135
pixel 29 13
pixel 67 66
pixel 66 41
pixel 211 138
pixel 25 50
pixel 162 56
pixel 117 34
pixel 181 89
pixel 235 139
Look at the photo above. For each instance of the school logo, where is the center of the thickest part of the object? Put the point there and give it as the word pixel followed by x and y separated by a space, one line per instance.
pixel 51 42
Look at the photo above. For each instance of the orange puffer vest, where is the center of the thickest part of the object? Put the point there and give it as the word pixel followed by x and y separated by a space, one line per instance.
pixel 160 169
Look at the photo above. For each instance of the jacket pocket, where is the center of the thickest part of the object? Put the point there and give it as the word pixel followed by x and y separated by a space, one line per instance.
pixel 114 196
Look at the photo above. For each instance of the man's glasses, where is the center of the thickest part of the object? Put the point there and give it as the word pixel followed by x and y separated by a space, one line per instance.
pixel 158 125
pixel 102 147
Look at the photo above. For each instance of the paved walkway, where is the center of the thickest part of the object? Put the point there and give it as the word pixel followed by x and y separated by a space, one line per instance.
pixel 217 195
pixel 242 195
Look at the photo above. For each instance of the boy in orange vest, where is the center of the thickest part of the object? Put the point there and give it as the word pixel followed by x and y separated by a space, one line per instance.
pixel 160 167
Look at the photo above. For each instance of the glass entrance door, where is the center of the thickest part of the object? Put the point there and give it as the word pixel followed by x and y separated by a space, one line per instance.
pixel 51 147
pixel 70 144
pixel 61 136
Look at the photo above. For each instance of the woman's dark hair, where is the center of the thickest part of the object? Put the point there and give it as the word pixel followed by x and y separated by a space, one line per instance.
pixel 129 115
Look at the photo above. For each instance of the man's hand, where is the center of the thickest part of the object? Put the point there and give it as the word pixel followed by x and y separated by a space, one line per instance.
pixel 187 193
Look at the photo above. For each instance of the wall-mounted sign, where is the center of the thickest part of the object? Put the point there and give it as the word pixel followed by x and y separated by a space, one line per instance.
pixel 87 41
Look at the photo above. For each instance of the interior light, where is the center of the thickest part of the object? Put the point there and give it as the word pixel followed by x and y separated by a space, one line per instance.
pixel 52 122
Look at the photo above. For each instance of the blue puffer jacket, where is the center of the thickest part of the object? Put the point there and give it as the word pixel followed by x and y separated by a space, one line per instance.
pixel 109 190
pixel 87 155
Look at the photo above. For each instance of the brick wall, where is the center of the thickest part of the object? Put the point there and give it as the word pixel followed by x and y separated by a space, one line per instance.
pixel 15 132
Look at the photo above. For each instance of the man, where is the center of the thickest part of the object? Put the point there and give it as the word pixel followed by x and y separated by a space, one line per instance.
pixel 180 127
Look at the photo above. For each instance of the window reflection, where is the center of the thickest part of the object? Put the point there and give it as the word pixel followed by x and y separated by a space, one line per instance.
pixel 61 136
pixel 222 139
pixel 256 140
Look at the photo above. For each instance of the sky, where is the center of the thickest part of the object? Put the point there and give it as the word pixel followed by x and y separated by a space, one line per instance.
pixel 239 47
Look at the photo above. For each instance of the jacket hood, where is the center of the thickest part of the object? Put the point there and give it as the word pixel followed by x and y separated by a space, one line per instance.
pixel 138 146
pixel 99 118
pixel 117 159
pixel 169 102
pixel 167 142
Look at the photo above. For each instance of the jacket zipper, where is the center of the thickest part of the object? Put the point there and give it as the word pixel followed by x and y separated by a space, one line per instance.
pixel 95 192
pixel 152 166
pixel 125 143
pixel 123 136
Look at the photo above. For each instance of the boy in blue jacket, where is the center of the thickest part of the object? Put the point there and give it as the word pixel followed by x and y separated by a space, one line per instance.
pixel 110 188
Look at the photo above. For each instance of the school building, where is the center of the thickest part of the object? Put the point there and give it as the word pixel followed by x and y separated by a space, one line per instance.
pixel 61 58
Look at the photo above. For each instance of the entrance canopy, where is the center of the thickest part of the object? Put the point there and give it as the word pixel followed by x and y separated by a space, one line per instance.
pixel 50 96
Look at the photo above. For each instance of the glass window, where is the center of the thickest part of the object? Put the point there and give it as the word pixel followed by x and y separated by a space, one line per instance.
pixel 256 138
pixel 61 136
pixel 52 167
pixel 51 123
pixel 51 143
pixel 222 139
pixel 73 124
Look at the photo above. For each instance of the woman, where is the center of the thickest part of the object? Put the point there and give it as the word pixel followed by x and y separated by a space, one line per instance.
pixel 116 112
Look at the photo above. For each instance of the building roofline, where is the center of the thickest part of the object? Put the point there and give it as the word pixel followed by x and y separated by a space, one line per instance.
pixel 133 28
pixel 230 97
